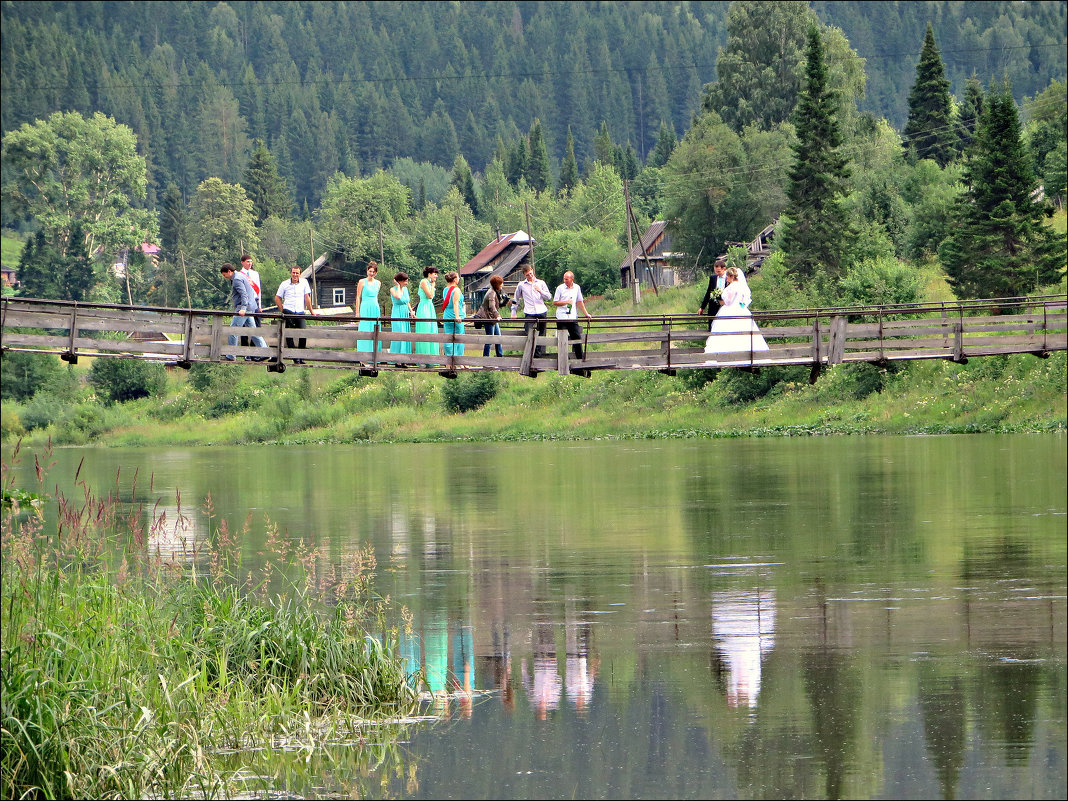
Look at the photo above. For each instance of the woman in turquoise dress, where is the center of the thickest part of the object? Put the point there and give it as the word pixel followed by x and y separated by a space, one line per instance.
pixel 425 316
pixel 453 310
pixel 367 296
pixel 401 318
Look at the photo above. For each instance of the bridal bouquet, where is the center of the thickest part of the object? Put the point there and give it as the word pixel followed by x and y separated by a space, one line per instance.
pixel 716 293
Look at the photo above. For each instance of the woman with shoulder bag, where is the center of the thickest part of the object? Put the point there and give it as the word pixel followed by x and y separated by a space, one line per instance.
pixel 489 313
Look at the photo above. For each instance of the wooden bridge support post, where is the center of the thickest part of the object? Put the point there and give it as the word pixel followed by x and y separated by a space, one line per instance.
pixel 70 355
pixel 215 349
pixel 526 363
pixel 836 350
pixel 187 352
pixel 816 366
pixel 562 365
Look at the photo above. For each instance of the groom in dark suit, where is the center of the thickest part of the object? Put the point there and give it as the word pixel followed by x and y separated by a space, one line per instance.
pixel 711 300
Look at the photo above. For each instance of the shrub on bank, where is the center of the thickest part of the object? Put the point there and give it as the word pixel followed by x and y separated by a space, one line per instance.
pixel 466 393
pixel 119 380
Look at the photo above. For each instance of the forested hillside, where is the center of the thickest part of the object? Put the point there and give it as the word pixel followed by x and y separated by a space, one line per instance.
pixel 354 86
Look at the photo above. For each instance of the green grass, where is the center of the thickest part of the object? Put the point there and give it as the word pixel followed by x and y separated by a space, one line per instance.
pixel 10 250
pixel 125 675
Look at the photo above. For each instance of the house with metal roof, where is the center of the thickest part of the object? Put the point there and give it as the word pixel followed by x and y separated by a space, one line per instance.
pixel 507 256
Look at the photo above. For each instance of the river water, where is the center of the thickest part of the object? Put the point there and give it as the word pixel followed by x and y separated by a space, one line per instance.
pixel 846 617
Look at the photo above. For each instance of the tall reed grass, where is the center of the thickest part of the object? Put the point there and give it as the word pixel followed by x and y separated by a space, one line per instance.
pixel 126 674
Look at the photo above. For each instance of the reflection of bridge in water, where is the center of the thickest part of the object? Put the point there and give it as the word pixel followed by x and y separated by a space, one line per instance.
pixel 666 343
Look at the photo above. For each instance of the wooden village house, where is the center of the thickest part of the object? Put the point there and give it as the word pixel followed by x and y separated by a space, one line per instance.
pixel 333 281
pixel 656 244
pixel 507 256
pixel 661 265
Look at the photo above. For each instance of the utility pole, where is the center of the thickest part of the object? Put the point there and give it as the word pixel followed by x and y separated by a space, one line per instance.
pixel 530 234
pixel 188 301
pixel 630 248
pixel 381 249
pixel 311 246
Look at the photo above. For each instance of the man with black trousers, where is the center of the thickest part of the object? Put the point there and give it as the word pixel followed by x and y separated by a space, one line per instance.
pixel 717 282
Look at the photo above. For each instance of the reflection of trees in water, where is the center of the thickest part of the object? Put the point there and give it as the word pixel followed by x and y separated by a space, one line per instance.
pixel 832 683
pixel 1007 702
pixel 943 707
pixel 743 627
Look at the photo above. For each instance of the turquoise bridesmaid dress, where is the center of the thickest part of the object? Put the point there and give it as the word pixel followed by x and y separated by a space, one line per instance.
pixel 369 308
pixel 401 321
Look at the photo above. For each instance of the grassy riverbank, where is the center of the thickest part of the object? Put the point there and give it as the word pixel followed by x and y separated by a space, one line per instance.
pixel 126 674
pixel 235 404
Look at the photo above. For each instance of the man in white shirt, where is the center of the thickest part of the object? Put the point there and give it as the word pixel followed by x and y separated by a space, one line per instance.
pixel 568 300
pixel 293 299
pixel 532 292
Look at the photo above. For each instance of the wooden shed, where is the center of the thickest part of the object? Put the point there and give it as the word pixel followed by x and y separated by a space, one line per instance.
pixel 507 256
pixel 334 281
pixel 656 243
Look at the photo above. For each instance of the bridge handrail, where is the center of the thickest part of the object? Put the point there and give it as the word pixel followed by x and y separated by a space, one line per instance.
pixel 955 306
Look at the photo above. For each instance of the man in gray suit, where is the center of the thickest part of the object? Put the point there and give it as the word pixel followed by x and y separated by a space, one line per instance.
pixel 243 298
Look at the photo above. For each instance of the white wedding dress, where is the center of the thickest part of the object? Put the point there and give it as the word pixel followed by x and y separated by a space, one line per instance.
pixel 733 329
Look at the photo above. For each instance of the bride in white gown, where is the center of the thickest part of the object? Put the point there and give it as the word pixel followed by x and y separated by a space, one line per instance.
pixel 733 330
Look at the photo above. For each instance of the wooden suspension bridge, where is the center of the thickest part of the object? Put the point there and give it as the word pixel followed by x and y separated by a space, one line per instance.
pixel 667 343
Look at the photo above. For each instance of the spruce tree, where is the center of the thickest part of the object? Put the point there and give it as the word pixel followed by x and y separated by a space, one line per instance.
pixel 1000 246
pixel 816 224
pixel 172 219
pixel 929 131
pixel 665 146
pixel 604 149
pixel 266 189
pixel 462 180
pixel 971 110
pixel 537 172
pixel 569 176
pixel 516 164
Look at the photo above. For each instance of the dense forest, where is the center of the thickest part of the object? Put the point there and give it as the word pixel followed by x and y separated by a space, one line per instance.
pixel 354 86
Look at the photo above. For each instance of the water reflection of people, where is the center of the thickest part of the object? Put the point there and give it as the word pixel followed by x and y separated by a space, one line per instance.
pixel 543 687
pixel 579 671
pixel 743 627
pixel 498 664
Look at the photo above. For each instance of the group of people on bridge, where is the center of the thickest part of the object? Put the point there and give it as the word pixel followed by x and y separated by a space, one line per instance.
pixel 294 300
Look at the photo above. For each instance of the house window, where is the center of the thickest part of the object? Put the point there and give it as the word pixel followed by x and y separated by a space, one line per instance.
pixel 339 296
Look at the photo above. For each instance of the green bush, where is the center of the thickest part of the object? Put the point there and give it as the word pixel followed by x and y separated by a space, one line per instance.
pixel 205 376
pixel 741 386
pixel 10 424
pixel 22 374
pixel 121 380
pixel 466 393
pixel 43 410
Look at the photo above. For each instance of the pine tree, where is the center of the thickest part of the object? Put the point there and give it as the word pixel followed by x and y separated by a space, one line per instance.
pixel 463 181
pixel 815 221
pixel 569 176
pixel 929 131
pixel 265 187
pixel 516 164
pixel 628 162
pixel 665 145
pixel 604 149
pixel 1000 246
pixel 172 218
pixel 970 111
pixel 537 172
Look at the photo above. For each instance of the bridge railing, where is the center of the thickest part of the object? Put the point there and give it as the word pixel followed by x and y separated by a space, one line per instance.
pixel 817 337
